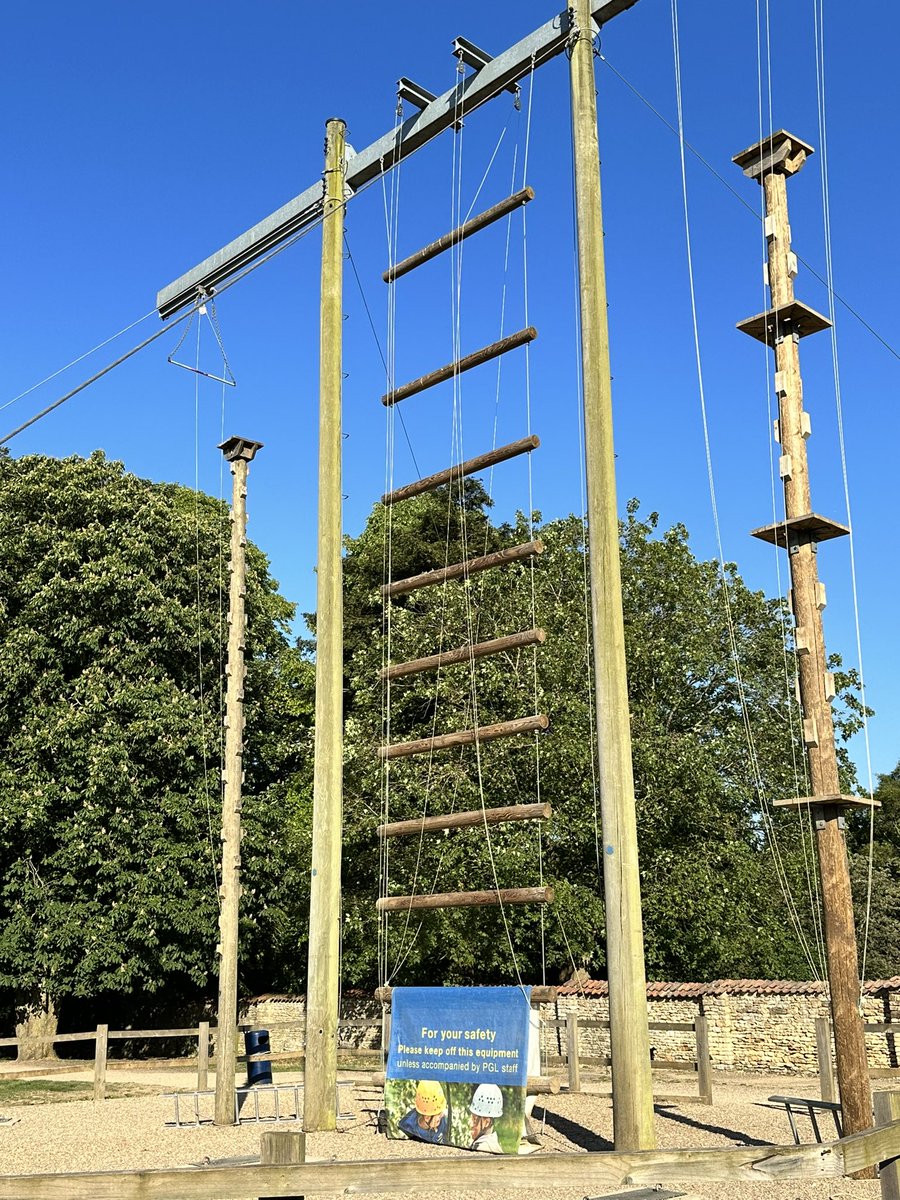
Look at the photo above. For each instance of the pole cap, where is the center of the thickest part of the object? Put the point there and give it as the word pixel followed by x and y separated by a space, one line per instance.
pixel 238 447
pixel 780 153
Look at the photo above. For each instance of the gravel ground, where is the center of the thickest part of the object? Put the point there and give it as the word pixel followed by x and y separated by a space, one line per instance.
pixel 134 1133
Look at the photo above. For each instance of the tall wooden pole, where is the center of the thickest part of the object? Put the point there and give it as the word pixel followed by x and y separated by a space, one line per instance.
pixel 771 162
pixel 630 1045
pixel 319 1105
pixel 239 452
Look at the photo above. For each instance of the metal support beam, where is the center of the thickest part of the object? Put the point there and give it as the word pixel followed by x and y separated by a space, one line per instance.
pixel 304 210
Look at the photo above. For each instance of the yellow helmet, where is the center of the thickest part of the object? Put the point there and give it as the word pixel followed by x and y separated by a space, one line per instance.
pixel 430 1098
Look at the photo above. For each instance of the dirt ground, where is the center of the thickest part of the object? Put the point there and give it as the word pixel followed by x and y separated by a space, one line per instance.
pixel 138 1132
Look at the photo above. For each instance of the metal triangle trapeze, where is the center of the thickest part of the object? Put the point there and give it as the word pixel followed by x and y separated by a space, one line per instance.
pixel 206 302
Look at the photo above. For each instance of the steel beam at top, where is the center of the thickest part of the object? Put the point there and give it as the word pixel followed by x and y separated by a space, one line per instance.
pixel 473 91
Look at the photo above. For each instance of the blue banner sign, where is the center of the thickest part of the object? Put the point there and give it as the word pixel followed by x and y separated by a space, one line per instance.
pixel 460 1035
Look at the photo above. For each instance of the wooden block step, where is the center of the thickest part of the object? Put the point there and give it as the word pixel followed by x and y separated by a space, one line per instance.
pixel 535 895
pixel 433 249
pixel 475 359
pixel 475 816
pixel 480 463
pixel 464 654
pixel 462 570
pixel 465 737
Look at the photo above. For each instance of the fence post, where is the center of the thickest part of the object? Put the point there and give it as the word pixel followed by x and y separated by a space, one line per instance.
pixel 101 1042
pixel 704 1062
pixel 203 1056
pixel 386 1031
pixel 887 1109
pixel 827 1089
pixel 283 1147
pixel 572 1052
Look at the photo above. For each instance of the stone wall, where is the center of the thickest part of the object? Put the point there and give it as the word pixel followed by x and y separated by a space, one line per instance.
pixel 754 1025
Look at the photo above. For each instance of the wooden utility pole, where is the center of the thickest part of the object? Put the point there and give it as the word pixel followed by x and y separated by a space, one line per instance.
pixel 322 989
pixel 630 1043
pixel 239 452
pixel 770 162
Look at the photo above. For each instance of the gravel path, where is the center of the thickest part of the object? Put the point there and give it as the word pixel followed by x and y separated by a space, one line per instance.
pixel 133 1133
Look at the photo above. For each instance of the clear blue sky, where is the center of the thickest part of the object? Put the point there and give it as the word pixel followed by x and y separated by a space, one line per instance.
pixel 138 139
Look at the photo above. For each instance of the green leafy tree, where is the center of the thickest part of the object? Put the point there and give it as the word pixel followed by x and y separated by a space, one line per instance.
pixel 720 872
pixel 113 594
pixel 875 839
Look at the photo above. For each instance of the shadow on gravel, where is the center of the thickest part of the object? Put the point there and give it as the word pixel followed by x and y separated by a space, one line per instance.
pixel 733 1134
pixel 573 1132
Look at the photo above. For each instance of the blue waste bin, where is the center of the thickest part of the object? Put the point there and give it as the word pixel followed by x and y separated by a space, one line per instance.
pixel 256 1041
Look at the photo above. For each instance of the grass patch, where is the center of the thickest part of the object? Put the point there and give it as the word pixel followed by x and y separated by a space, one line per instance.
pixel 15 1092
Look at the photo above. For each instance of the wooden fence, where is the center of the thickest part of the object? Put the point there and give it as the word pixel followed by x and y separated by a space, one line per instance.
pixel 824 1040
pixel 574 1060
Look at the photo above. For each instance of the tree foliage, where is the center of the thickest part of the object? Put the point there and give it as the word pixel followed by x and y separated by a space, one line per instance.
pixel 112 635
pixel 724 881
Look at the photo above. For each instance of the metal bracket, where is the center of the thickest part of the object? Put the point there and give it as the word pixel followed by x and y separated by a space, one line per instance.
pixel 476 58
pixel 414 93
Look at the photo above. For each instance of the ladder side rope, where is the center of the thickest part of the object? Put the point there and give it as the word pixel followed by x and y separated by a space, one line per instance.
pixel 799 768
pixel 819 30
pixel 752 753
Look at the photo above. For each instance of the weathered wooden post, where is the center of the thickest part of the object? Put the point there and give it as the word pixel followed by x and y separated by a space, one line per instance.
pixel 887 1109
pixel 704 1061
pixel 827 1089
pixel 319 1109
pixel 101 1047
pixel 770 162
pixel 629 1038
pixel 239 452
pixel 572 1052
pixel 203 1056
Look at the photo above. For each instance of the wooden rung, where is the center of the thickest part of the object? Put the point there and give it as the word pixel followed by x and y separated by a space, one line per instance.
pixel 469 467
pixel 835 798
pixel 475 816
pixel 461 570
pixel 537 1085
pixel 464 654
pixel 433 249
pixel 540 994
pixel 475 359
pixel 536 895
pixel 465 737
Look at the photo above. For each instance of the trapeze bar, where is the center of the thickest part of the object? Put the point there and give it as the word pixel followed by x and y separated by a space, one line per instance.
pixel 464 654
pixel 538 895
pixel 470 467
pixel 809 527
pixel 836 798
pixel 459 820
pixel 465 737
pixel 461 570
pixel 776 323
pixel 433 249
pixel 475 359
pixel 542 994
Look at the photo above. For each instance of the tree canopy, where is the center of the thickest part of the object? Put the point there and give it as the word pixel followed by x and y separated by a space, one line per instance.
pixel 112 635
pixel 717 900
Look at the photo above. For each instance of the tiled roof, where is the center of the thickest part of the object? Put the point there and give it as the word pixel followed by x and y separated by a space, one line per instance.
pixel 733 987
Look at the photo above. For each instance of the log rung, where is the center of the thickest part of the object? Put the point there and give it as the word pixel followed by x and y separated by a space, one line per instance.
pixel 464 654
pixel 537 895
pixel 465 737
pixel 541 993
pixel 460 820
pixel 475 359
pixel 480 463
pixel 433 249
pixel 462 570
pixel 537 1085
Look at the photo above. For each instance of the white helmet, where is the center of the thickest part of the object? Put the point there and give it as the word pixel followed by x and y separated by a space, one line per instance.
pixel 487 1101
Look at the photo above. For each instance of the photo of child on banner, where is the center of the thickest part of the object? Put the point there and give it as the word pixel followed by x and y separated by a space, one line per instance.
pixel 458 1066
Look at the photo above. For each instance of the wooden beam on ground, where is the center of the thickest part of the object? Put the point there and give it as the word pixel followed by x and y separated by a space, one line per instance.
pixel 433 249
pixel 461 820
pixel 587 1172
pixel 511 342
pixel 470 467
pixel 465 737
pixel 460 570
pixel 535 895
pixel 464 654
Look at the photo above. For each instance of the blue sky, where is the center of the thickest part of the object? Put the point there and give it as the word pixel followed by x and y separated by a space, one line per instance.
pixel 138 140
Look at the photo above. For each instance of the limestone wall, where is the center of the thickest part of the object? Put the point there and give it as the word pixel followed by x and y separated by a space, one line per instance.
pixel 752 1026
